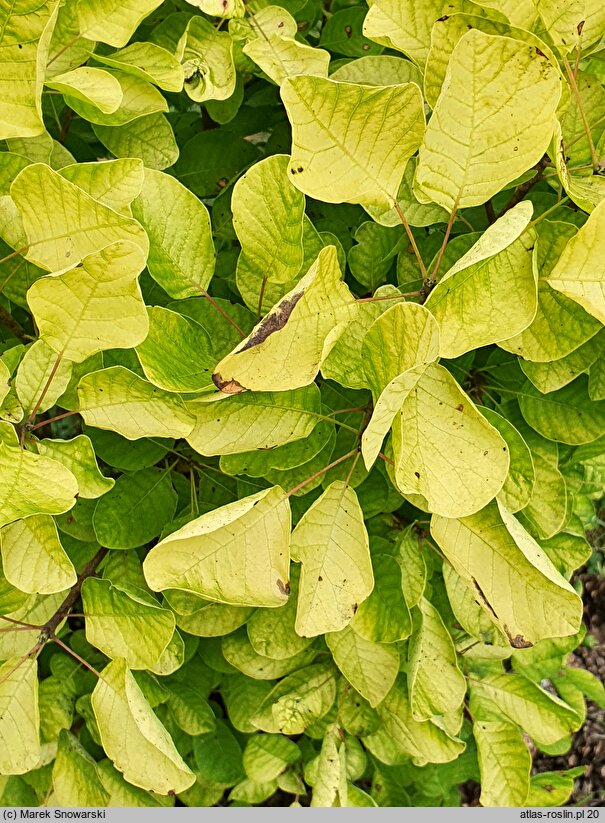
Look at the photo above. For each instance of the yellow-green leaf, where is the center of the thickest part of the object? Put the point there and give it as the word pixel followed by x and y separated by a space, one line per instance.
pixel 567 415
pixel 113 21
pixel 384 617
pixel 97 305
pixel 33 484
pixel 133 737
pixel 255 420
pixel 371 668
pixel 181 251
pixel 33 558
pixel 25 32
pixel 285 350
pixel 19 717
pixel 119 400
pixel 268 214
pixel 236 554
pixel 78 456
pixel 404 336
pixel 351 143
pixel 430 413
pixel 63 224
pixel 115 183
pixel 504 763
pixel 513 577
pixel 494 85
pixel 150 138
pixel 436 684
pixel 96 87
pixel 176 354
pixel 33 382
pixel 75 778
pixel 277 53
pixel 147 61
pixel 126 623
pixel 207 61
pixel 497 271
pixel 579 273
pixel 331 543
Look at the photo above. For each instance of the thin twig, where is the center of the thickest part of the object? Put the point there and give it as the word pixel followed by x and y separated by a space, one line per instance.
pixel 220 310
pixel 321 471
pixel 52 420
pixel 576 91
pixel 7 320
pixel 524 188
pixel 389 297
pixel 446 237
pixel 412 240
pixel 81 660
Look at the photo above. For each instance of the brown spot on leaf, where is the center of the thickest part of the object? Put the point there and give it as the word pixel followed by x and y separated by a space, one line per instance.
pixel 460 407
pixel 581 25
pixel 354 607
pixel 443 19
pixel 227 386
pixel 417 474
pixel 283 587
pixel 518 641
pixel 540 52
pixel 548 788
pixel 273 322
pixel 320 579
pixel 348 31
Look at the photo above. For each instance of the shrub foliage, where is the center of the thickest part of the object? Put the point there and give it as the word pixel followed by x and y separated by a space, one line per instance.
pixel 302 397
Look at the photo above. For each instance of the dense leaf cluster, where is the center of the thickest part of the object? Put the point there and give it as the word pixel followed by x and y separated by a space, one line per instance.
pixel 302 397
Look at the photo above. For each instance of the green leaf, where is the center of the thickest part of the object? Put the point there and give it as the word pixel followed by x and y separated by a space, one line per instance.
pixel 498 270
pixel 268 217
pixel 504 763
pixel 578 273
pixel 371 668
pixel 207 60
pixel 133 737
pixel 436 684
pixel 266 756
pixel 548 377
pixel 351 143
pixel 176 353
pixel 519 484
pixel 33 484
pixel 126 623
pixel 494 554
pixel 150 138
pixel 135 510
pixel 567 415
pixel 181 251
pixel 218 757
pixel 119 400
pixel 552 788
pixel 493 85
pixel 33 558
pixel 422 740
pixel 286 348
pixel 384 617
pixel 239 652
pixel 298 700
pixel 95 306
pixel 113 21
pixel 147 61
pixel 19 716
pixel 79 457
pixel 68 224
pixel 93 86
pixel 271 631
pixel 331 543
pixel 237 554
pixel 254 420
pixel 75 778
